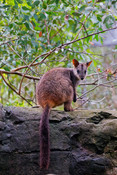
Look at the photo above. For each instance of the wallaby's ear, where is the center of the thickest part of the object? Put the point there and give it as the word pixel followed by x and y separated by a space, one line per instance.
pixel 88 63
pixel 75 62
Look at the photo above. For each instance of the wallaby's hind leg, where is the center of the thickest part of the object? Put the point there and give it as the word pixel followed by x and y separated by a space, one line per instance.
pixel 67 106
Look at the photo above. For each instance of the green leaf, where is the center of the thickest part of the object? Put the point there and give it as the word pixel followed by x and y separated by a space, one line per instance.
pixel 42 16
pixel 57 1
pixel 36 3
pixel 108 21
pixel 82 8
pixel 29 2
pixel 30 25
pixel 96 37
pixel 65 3
pixel 5 6
pixel 19 1
pixel 99 18
pixel 10 25
pixel 38 28
pixel 107 18
pixel 26 17
pixel 33 23
pixel 25 8
pixel 27 25
pixel 36 17
pixel 44 5
pixel 95 63
pixel 76 14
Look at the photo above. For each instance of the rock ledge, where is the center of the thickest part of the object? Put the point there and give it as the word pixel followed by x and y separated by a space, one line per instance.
pixel 82 142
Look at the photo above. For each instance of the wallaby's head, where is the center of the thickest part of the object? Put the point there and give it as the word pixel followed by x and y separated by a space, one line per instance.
pixel 80 69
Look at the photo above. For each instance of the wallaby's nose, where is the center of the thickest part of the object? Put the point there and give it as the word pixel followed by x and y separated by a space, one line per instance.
pixel 82 78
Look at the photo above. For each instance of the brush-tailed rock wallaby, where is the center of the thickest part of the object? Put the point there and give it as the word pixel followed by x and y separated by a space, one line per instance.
pixel 56 87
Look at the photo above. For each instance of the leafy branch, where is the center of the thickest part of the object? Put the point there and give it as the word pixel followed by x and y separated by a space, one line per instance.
pixel 46 56
pixel 53 33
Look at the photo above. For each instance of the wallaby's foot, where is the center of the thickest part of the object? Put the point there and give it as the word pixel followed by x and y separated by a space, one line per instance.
pixel 68 110
pixel 71 109
pixel 67 107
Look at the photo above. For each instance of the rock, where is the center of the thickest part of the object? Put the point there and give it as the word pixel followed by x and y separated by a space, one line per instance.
pixel 82 142
pixel 86 163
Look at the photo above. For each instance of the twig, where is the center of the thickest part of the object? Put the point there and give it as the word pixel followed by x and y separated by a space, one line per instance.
pixel 47 33
pixel 19 73
pixel 101 84
pixel 14 89
pixel 88 91
pixel 73 41
pixel 34 64
pixel 57 32
pixel 30 66
pixel 8 41
pixel 69 50
pixel 83 26
pixel 18 55
pixel 59 47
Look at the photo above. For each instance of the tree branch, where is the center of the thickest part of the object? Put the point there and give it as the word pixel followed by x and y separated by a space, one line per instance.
pixel 71 42
pixel 31 65
pixel 59 47
pixel 34 64
pixel 18 55
pixel 19 73
pixel 57 32
pixel 8 41
pixel 14 89
pixel 101 84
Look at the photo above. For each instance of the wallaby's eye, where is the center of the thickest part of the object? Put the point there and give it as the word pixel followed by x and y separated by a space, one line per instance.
pixel 78 71
pixel 85 71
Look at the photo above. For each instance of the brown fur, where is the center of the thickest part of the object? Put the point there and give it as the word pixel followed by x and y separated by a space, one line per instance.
pixel 53 90
pixel 44 139
pixel 56 87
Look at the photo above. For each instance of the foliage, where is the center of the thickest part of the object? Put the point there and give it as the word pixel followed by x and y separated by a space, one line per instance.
pixel 38 35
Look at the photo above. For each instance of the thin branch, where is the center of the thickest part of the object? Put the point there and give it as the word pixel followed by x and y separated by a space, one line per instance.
pixel 8 41
pixel 84 28
pixel 83 25
pixel 73 41
pixel 69 50
pixel 88 91
pixel 14 89
pixel 61 46
pixel 19 73
pixel 101 84
pixel 18 55
pixel 57 32
pixel 31 65
pixel 47 33
pixel 34 64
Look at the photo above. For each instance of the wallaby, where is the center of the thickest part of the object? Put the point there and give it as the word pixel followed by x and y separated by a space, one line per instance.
pixel 56 87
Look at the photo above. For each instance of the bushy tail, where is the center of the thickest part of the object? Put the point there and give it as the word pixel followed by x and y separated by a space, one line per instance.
pixel 44 139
